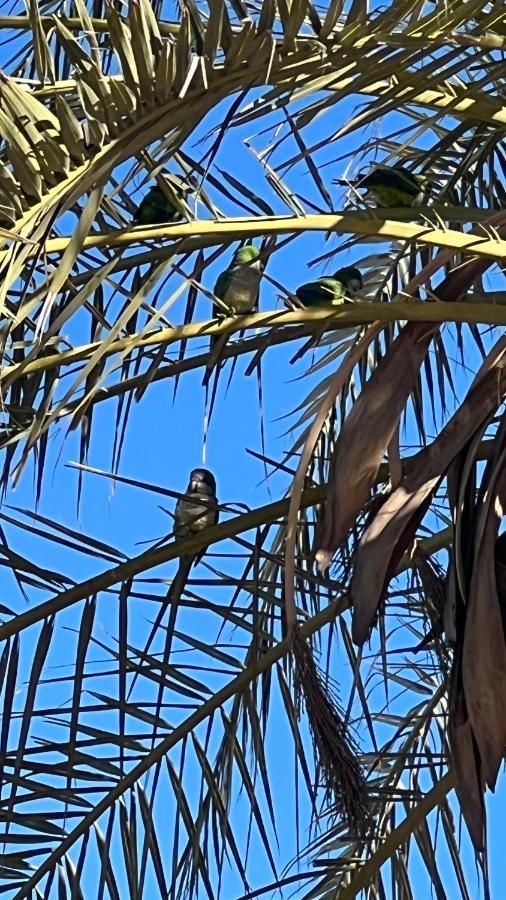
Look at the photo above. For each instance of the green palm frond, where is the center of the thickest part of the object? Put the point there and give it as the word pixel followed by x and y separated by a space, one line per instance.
pixel 144 772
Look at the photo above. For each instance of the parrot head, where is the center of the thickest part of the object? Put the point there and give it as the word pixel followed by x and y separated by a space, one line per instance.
pixel 247 256
pixel 200 479
pixel 350 278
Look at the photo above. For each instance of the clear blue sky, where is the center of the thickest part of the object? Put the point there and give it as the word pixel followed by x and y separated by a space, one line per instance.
pixel 163 442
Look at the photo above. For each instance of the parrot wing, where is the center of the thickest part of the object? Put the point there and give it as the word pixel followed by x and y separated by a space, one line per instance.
pixel 155 208
pixel 222 284
pixel 323 292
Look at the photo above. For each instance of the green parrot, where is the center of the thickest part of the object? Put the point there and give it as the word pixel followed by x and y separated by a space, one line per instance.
pixel 155 207
pixel 192 516
pixel 196 510
pixel 391 186
pixel 331 291
pixel 239 285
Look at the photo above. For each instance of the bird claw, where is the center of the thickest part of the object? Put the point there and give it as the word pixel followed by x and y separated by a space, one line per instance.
pixel 223 314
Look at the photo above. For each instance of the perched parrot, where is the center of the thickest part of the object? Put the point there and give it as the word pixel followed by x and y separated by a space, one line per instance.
pixel 155 207
pixel 198 507
pixel 332 291
pixel 239 285
pixel 196 510
pixel 391 186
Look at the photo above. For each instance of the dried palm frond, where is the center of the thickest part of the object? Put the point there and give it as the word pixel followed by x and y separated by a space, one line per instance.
pixel 343 779
pixel 191 760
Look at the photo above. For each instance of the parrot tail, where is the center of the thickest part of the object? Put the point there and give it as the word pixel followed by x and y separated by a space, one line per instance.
pixel 170 602
pixel 173 597
pixel 214 365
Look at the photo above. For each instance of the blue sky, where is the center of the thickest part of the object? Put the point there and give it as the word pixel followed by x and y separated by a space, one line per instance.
pixel 163 442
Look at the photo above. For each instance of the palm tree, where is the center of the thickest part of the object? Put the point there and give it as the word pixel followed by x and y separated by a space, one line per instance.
pixel 356 621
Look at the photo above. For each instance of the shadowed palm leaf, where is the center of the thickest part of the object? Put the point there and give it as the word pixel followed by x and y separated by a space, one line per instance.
pixel 140 760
